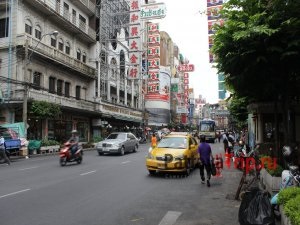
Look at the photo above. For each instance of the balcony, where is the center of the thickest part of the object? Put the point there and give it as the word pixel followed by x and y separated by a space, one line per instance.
pixel 86 6
pixel 80 105
pixel 57 57
pixel 54 12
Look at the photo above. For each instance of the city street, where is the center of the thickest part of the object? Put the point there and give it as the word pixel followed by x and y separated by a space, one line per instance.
pixel 112 190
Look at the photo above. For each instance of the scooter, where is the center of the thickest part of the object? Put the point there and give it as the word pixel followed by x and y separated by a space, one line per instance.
pixel 66 156
pixel 290 177
pixel 142 140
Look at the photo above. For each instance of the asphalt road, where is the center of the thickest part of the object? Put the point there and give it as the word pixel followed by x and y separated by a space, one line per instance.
pixel 112 190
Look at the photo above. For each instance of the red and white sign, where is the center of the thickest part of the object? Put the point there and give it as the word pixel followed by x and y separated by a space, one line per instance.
pixel 134 37
pixel 186 68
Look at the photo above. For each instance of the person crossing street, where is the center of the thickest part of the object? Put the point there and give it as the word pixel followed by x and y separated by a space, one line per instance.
pixel 204 150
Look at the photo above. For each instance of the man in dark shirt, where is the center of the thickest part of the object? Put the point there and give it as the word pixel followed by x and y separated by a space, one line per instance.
pixel 205 153
pixel 74 140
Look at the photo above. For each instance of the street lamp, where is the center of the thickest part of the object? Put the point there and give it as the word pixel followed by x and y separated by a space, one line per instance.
pixel 27 61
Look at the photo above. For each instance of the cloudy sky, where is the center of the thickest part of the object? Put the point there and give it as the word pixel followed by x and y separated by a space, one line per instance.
pixel 186 23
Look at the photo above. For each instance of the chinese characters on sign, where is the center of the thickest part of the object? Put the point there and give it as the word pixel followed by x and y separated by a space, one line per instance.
pixel 134 40
pixel 153 59
pixel 186 68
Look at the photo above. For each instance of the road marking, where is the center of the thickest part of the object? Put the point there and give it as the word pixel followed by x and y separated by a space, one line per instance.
pixel 29 168
pixel 14 193
pixel 93 171
pixel 170 218
pixel 125 162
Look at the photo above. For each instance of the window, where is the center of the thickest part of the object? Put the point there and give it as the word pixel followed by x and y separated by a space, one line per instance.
pixel 61 44
pixel 37 80
pixel 68 48
pixel 74 16
pixel 84 57
pixel 67 89
pixel 53 41
pixel 4 27
pixel 38 33
pixel 59 87
pixel 78 54
pixel 82 22
pixel 51 84
pixel 28 27
pixel 66 10
pixel 78 92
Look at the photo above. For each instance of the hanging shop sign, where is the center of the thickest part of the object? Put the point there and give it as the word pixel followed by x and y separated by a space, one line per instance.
pixel 134 37
pixel 186 68
pixel 153 11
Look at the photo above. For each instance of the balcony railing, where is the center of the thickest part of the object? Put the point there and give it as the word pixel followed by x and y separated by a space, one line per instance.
pixel 61 100
pixel 57 7
pixel 53 53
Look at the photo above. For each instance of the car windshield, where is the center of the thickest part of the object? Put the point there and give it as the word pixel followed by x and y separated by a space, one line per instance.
pixel 173 142
pixel 117 136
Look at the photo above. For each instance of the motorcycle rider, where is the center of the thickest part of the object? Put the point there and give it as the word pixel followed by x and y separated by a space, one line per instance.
pixel 74 140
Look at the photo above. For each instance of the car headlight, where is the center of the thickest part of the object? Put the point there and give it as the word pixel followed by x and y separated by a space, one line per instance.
pixel 150 156
pixel 99 145
pixel 117 145
pixel 179 157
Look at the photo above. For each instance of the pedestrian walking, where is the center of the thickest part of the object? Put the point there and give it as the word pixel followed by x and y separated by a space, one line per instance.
pixel 2 150
pixel 153 140
pixel 205 153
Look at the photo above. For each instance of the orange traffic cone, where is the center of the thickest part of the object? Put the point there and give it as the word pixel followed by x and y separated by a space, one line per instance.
pixel 219 165
pixel 227 158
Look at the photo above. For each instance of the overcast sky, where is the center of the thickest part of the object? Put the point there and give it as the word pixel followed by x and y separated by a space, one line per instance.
pixel 187 27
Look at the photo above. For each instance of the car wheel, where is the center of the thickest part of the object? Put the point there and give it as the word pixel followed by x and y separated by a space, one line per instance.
pixel 152 172
pixel 135 148
pixel 188 168
pixel 100 153
pixel 122 151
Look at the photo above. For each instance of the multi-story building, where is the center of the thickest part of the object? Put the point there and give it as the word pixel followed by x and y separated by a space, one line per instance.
pixel 52 51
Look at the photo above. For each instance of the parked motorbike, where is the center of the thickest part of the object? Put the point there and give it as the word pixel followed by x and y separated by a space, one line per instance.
pixel 290 177
pixel 142 140
pixel 66 156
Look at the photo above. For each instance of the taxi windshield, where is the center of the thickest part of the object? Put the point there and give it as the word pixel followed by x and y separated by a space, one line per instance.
pixel 173 142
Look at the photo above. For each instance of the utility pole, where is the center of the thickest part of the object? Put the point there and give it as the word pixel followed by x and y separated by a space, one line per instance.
pixel 25 100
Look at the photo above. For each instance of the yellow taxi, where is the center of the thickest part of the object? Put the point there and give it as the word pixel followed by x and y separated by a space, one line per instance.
pixel 176 152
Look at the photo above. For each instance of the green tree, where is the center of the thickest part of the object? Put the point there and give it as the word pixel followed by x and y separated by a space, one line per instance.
pixel 258 50
pixel 43 109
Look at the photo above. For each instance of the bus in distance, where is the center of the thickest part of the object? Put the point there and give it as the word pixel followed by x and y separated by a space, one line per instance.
pixel 207 127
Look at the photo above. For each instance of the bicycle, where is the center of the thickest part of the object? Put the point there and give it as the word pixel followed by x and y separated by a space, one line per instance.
pixel 248 169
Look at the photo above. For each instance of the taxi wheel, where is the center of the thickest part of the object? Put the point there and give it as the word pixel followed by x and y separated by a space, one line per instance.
pixel 188 168
pixel 152 172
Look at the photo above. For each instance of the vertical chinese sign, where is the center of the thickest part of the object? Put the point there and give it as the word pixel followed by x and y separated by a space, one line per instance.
pixel 134 40
pixel 213 17
pixel 153 48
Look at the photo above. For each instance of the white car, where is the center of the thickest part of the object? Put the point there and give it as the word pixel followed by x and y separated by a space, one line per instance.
pixel 118 143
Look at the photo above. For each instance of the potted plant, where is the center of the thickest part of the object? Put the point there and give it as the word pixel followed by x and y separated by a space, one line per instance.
pixel 271 174
pixel 289 199
pixel 48 146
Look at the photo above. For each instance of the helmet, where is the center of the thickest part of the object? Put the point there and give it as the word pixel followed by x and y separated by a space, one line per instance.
pixel 287 153
pixel 74 131
pixel 241 143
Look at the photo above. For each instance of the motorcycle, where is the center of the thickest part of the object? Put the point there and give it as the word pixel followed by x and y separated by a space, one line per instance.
pixel 290 177
pixel 66 156
pixel 142 140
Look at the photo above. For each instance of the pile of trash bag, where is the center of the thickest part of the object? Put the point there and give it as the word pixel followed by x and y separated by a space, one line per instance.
pixel 256 209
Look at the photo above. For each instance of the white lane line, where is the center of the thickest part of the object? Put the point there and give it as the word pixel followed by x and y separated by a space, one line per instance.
pixel 14 193
pixel 125 162
pixel 170 218
pixel 93 171
pixel 29 168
